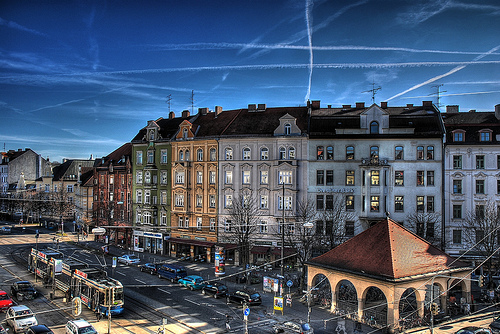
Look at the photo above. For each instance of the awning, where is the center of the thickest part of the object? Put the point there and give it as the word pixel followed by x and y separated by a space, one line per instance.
pixel 286 252
pixel 259 250
pixel 191 242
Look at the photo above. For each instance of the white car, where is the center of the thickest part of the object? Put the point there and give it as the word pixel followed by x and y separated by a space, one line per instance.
pixel 79 327
pixel 20 318
pixel 129 259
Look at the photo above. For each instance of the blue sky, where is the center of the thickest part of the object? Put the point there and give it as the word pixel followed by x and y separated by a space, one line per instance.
pixel 83 77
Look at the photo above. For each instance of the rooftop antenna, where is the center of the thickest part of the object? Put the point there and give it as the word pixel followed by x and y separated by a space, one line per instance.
pixel 373 91
pixel 438 91
pixel 169 98
pixel 192 101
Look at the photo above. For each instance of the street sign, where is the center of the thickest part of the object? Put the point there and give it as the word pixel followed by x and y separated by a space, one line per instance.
pixel 246 312
pixel 289 283
pixel 115 259
pixel 164 322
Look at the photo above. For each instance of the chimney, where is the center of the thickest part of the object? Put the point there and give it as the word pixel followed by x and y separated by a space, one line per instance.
pixel 185 113
pixel 426 103
pixel 329 106
pixel 360 105
pixel 252 107
pixel 497 111
pixel 346 106
pixel 218 110
pixel 202 111
pixel 410 105
pixel 472 110
pixel 316 104
pixel 171 115
pixel 383 105
pixel 261 107
pixel 453 108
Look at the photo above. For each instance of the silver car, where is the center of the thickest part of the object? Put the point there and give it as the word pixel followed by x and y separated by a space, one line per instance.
pixel 20 318
pixel 293 327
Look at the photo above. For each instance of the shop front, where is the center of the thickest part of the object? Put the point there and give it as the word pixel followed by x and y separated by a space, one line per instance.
pixel 150 242
pixel 196 250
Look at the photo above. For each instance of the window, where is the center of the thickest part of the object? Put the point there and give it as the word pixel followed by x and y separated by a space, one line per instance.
pixel 399 204
pixel 246 153
pixel 163 219
pixel 138 217
pixel 164 156
pixel 199 201
pixel 199 155
pixel 329 202
pixel 163 197
pixel 399 178
pixel 420 153
pixel 479 161
pixel 479 186
pixel 320 177
pixel 147 217
pixel 227 225
pixel 213 154
pixel 263 226
pixel 147 177
pixel 282 153
pixel 349 177
pixel 138 177
pixel 457 211
pixel 420 178
pixel 288 203
pixel 229 153
pixel 285 177
pixel 458 136
pixel 430 203
pixel 398 153
pixel 349 229
pixel 288 129
pixel 430 152
pixel 199 223
pixel 457 236
pixel 329 153
pixel 480 211
pixel 329 177
pixel 264 153
pixel 147 197
pixel 188 156
pixel 179 199
pixel 479 236
pixel 212 224
pixel 139 157
pixel 181 222
pixel 349 153
pixel 374 127
pixel 211 201
pixel 228 201
pixel 498 161
pixel 199 177
pixel 349 202
pixel 181 155
pixel 375 178
pixel 179 177
pixel 430 177
pixel 229 177
pixel 457 162
pixel 264 177
pixel 212 177
pixel 246 177
pixel 485 135
pixel 320 153
pixel 186 222
pixel 69 188
pixel 185 133
pixel 420 204
pixel 291 153
pixel 457 186
pixel 498 186
pixel 264 202
pixel 374 152
pixel 374 203
pixel 320 202
pixel 164 177
pixel 151 157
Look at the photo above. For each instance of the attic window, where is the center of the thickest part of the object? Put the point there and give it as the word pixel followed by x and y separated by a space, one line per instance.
pixel 288 129
pixel 185 133
pixel 151 135
pixel 458 135
pixel 485 135
pixel 374 127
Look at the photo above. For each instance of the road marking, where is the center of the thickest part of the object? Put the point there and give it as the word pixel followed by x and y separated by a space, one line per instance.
pixel 192 302
pixel 138 280
pixel 164 290
pixel 121 273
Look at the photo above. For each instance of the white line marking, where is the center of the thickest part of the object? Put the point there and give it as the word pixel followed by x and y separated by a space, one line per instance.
pixel 164 290
pixel 121 273
pixel 138 280
pixel 192 302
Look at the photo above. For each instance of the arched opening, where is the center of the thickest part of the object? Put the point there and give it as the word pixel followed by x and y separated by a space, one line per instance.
pixel 347 297
pixel 375 307
pixel 455 296
pixel 321 291
pixel 374 127
pixel 408 307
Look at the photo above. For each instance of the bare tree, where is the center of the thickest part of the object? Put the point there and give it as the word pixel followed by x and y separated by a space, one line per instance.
pixel 426 225
pixel 244 216
pixel 331 226
pixel 481 229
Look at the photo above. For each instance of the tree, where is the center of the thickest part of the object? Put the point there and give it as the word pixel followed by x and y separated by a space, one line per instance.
pixel 244 216
pixel 481 231
pixel 426 225
pixel 331 226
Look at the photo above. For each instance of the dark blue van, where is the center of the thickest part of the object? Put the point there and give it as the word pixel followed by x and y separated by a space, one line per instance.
pixel 172 272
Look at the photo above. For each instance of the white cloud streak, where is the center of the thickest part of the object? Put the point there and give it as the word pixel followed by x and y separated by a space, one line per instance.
pixel 309 6
pixel 16 26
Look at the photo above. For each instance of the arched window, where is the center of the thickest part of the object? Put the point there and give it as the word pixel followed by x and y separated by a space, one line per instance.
pixel 329 153
pixel 199 154
pixel 213 154
pixel 188 156
pixel 291 153
pixel 282 154
pixel 374 127
pixel 264 153
pixel 288 129
pixel 246 153
pixel 181 155
pixel 229 153
pixel 185 133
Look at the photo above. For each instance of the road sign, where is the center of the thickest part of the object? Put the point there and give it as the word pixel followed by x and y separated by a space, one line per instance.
pixel 289 283
pixel 114 261
pixel 77 306
pixel 246 312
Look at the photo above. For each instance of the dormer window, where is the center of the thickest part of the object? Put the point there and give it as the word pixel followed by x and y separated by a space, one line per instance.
pixel 374 127
pixel 288 129
pixel 185 133
pixel 458 135
pixel 151 135
pixel 485 135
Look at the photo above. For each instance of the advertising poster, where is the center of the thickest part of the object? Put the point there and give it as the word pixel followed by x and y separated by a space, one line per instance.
pixel 220 265
pixel 278 304
pixel 270 284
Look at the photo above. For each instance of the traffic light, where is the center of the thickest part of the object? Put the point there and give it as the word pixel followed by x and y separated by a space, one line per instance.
pixel 434 308
pixel 481 281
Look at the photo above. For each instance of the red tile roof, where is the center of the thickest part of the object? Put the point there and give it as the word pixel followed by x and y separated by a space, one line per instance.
pixel 387 249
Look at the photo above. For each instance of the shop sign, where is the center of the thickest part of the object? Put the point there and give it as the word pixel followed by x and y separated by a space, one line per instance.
pixel 152 235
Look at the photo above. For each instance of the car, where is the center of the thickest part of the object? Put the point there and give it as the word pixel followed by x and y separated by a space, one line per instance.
pixel 215 289
pixel 22 290
pixel 129 259
pixel 473 330
pixel 39 329
pixel 293 327
pixel 20 318
pixel 5 229
pixel 149 267
pixel 495 326
pixel 193 282
pixel 171 271
pixel 3 330
pixel 80 326
pixel 244 297
pixel 5 301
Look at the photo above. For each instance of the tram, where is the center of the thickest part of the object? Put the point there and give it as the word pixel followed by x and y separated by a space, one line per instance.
pixel 96 290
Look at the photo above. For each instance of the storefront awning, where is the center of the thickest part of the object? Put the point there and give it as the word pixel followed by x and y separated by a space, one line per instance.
pixel 286 252
pixel 259 250
pixel 191 242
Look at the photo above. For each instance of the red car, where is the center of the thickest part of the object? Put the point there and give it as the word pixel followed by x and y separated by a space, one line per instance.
pixel 5 301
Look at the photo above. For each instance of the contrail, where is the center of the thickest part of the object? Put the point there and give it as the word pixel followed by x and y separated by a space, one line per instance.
pixel 456 94
pixel 309 5
pixel 456 69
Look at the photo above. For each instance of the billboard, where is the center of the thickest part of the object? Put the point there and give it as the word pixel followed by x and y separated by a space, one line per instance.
pixel 220 258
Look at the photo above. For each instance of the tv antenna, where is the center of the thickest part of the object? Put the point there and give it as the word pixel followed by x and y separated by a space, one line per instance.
pixel 438 91
pixel 169 98
pixel 373 91
pixel 192 101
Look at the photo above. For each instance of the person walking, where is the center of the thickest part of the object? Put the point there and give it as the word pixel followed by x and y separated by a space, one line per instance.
pixel 98 315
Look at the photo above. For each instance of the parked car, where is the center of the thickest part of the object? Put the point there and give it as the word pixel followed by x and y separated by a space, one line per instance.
pixel 216 289
pixel 20 318
pixel 80 326
pixel 193 282
pixel 293 327
pixel 149 267
pixel 129 259
pixel 5 229
pixel 495 326
pixel 172 272
pixel 5 301
pixel 244 297
pixel 473 330
pixel 39 329
pixel 23 290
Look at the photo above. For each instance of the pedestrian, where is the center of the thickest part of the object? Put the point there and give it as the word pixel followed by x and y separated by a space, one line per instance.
pixel 228 318
pixel 98 315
